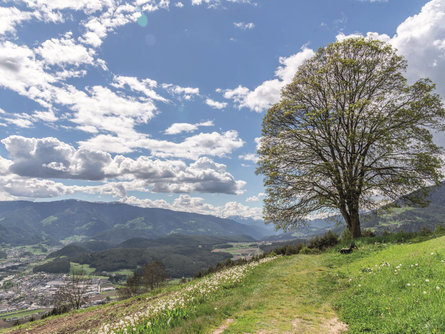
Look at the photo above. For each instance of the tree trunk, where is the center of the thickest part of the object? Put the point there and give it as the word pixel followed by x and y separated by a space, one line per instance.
pixel 354 227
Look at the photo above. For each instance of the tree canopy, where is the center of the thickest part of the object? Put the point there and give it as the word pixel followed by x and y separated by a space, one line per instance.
pixel 349 132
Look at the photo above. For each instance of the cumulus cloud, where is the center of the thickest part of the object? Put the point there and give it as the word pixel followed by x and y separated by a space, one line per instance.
pixel 21 72
pixel 177 128
pixel 268 93
pixel 421 40
pixel 186 92
pixel 97 107
pixel 210 144
pixel 202 144
pixel 64 51
pixel 249 157
pixel 11 17
pixel 105 110
pixel 215 104
pixel 50 158
pixel 256 198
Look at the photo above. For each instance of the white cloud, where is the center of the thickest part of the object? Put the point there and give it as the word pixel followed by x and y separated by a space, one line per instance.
pixel 98 27
pixel 22 73
pixel 65 51
pixel 188 203
pixel 87 6
pixel 217 3
pixel 144 86
pixel 216 104
pixel 249 157
pixel 4 166
pixel 268 93
pixel 98 108
pixel 421 40
pixel 186 92
pixel 256 198
pixel 177 128
pixel 244 26
pixel 11 17
pixel 179 4
pixel 50 158
pixel 46 116
pixel 203 144
pixel 210 144
pixel 105 110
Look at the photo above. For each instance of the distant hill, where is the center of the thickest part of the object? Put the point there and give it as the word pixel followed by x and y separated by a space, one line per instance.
pixel 398 216
pixel 182 255
pixel 23 222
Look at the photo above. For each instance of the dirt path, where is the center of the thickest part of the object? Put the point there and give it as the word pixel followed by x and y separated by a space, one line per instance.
pixel 223 327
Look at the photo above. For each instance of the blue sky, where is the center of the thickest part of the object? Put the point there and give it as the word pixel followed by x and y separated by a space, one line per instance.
pixel 159 103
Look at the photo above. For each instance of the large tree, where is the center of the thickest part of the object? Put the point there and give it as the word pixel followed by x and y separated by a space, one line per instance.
pixel 349 132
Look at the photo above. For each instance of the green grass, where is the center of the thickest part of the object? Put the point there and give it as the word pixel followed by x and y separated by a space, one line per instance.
pixel 304 292
pixel 392 284
pixel 81 268
pixel 400 289
pixel 20 314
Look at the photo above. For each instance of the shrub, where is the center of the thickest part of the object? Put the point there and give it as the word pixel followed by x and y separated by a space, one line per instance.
pixel 345 235
pixel 329 239
pixel 425 231
pixel 439 229
pixel 306 250
pixel 368 233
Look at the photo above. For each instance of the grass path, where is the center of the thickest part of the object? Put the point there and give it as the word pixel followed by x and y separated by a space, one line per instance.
pixel 279 297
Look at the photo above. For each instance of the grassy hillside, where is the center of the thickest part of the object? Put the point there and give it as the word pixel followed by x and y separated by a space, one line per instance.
pixel 389 285
pixel 182 255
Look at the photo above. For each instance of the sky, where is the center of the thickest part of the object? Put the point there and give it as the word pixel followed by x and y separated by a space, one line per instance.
pixel 159 103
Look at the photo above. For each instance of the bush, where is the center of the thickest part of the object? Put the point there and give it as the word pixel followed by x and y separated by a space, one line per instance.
pixel 345 235
pixel 425 231
pixel 439 229
pixel 367 233
pixel 329 239
pixel 306 250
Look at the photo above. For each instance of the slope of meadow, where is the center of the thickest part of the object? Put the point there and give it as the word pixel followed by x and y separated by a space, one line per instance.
pixel 393 284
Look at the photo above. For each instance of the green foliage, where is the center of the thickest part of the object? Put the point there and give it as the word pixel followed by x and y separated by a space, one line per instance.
pixel 182 255
pixel 328 240
pixel 439 230
pixel 58 266
pixel 348 126
pixel 307 250
pixel 345 235
pixel 368 233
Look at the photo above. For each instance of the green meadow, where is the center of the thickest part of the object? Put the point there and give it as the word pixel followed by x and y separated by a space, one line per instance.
pixel 391 284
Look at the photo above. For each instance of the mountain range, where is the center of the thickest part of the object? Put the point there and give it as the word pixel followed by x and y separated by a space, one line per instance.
pixel 23 222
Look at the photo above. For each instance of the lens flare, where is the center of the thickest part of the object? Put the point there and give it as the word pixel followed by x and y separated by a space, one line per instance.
pixel 143 20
